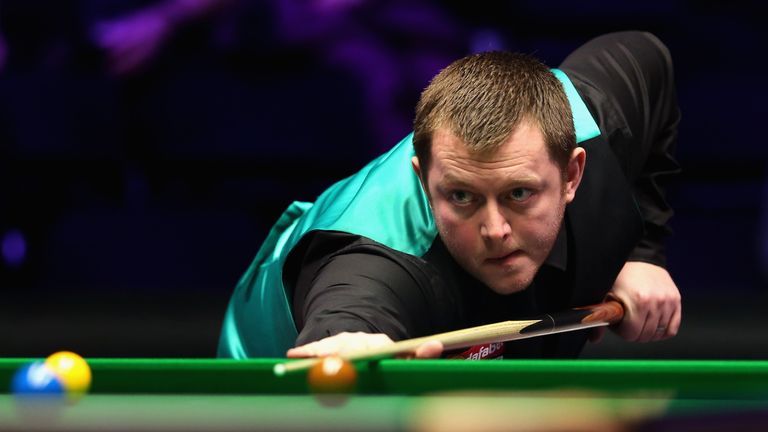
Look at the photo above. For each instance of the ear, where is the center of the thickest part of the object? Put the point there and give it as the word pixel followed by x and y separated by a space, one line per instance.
pixel 416 166
pixel 574 172
pixel 417 169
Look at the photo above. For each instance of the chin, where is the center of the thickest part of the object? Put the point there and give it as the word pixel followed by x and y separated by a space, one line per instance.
pixel 509 286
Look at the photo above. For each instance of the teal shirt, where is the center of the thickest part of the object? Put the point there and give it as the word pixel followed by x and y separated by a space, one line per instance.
pixel 384 202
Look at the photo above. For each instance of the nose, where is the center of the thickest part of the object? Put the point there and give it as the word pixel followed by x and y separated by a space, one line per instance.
pixel 494 225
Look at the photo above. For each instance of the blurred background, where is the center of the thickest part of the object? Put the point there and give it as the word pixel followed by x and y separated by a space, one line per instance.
pixel 146 147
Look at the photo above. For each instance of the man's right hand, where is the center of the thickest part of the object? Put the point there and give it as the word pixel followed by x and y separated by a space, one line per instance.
pixel 344 343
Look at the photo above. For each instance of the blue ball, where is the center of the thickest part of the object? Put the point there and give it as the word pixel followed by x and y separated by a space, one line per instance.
pixel 36 379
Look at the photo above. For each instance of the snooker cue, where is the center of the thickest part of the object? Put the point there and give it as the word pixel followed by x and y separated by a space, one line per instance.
pixel 598 315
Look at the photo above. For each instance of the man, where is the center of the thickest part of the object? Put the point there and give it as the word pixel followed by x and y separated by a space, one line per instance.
pixel 499 215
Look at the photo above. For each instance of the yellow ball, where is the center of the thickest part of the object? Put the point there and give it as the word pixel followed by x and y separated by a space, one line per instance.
pixel 73 372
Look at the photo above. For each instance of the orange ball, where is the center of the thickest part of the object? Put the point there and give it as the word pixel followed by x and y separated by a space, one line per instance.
pixel 332 375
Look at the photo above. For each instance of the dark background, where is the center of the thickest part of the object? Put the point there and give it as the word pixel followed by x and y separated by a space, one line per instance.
pixel 143 158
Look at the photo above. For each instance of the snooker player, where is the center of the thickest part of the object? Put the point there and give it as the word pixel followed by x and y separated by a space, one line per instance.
pixel 522 190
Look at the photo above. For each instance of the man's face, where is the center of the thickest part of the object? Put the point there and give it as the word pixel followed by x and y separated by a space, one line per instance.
pixel 499 213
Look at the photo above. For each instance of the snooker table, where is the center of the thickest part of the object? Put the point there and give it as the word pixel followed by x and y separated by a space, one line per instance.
pixel 217 394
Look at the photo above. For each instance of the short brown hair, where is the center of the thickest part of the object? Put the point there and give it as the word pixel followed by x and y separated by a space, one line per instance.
pixel 482 98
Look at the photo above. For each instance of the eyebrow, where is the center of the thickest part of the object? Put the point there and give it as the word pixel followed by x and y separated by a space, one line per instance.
pixel 453 180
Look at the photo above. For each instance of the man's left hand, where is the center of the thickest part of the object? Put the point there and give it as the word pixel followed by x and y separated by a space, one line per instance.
pixel 651 302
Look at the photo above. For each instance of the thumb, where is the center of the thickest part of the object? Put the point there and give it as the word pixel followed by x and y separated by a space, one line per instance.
pixel 430 349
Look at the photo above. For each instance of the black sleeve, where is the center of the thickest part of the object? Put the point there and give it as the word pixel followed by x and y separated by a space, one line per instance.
pixel 627 81
pixel 364 290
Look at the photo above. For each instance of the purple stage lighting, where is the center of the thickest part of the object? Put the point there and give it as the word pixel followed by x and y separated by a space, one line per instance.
pixel 14 248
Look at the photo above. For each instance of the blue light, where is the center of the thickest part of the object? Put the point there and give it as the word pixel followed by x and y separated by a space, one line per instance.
pixel 14 248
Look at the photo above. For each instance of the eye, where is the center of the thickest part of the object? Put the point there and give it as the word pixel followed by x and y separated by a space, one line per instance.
pixel 520 194
pixel 461 197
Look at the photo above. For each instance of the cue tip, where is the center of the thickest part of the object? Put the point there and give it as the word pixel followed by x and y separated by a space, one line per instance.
pixel 291 366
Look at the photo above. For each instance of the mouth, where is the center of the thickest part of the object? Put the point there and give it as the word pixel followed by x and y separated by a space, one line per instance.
pixel 507 259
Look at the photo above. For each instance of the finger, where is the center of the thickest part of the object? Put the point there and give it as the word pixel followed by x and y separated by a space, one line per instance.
pixel 640 325
pixel 320 348
pixel 430 349
pixel 295 353
pixel 664 328
pixel 661 329
pixel 336 345
pixel 379 340
pixel 674 322
pixel 657 325
pixel 301 352
pixel 631 326
pixel 670 318
pixel 347 343
pixel 651 324
pixel 355 342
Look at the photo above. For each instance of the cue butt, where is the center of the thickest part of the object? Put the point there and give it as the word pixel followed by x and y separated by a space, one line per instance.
pixel 610 311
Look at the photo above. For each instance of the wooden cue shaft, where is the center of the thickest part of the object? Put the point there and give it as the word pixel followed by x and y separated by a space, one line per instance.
pixel 602 314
